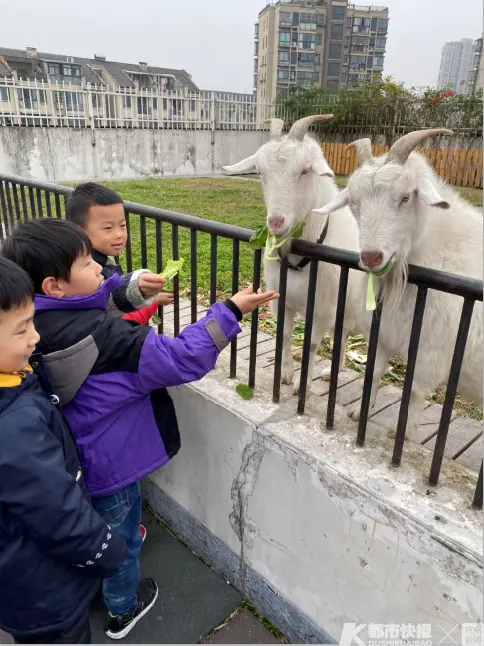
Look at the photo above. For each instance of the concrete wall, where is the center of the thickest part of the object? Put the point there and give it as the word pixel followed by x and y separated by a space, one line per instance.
pixel 313 530
pixel 69 154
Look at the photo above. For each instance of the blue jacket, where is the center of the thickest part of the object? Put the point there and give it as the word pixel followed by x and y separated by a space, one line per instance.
pixel 54 548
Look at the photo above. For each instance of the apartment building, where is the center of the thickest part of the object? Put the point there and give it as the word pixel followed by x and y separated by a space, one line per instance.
pixel 328 43
pixel 476 75
pixel 455 66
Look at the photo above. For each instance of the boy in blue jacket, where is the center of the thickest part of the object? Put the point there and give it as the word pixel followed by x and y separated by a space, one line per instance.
pixel 111 377
pixel 54 548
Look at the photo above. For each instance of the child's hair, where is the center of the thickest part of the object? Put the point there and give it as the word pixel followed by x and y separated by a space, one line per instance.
pixel 16 287
pixel 46 247
pixel 85 196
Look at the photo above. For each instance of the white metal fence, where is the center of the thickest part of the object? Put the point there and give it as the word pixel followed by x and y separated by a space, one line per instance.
pixel 58 105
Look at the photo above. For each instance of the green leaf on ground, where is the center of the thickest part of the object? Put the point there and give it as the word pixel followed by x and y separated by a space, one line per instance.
pixel 244 391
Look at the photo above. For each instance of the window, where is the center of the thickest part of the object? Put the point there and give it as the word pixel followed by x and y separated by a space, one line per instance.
pixel 383 25
pixel 378 62
pixel 285 18
pixel 306 60
pixel 193 105
pixel 126 101
pixel 307 41
pixel 95 100
pixel 74 101
pixel 293 58
pixel 4 96
pixel 308 26
pixel 304 78
pixel 67 70
pixel 338 13
pixel 30 99
pixel 333 85
pixel 336 32
pixel 284 58
pixel 317 59
pixel 333 69
pixel 381 43
pixel 348 21
pixel 282 75
pixel 284 37
pixel 319 39
pixel 334 50
pixel 155 103
pixel 54 69
pixel 374 22
pixel 353 79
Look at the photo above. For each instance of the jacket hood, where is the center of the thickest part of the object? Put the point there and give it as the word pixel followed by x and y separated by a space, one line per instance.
pixel 96 301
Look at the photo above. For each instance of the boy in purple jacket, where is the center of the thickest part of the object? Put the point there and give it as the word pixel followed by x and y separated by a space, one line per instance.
pixel 111 377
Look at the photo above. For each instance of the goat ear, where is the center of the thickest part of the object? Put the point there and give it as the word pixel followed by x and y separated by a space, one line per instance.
pixel 321 168
pixel 334 205
pixel 243 166
pixel 428 193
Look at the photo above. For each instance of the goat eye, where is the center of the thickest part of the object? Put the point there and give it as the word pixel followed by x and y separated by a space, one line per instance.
pixel 305 171
pixel 405 199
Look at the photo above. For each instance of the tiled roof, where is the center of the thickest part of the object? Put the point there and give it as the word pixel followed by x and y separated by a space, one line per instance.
pixel 113 68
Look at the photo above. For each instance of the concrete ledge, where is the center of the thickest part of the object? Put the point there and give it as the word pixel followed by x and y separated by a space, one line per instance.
pixel 315 531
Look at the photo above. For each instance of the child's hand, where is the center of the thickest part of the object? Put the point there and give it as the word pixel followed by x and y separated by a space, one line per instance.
pixel 150 284
pixel 165 298
pixel 247 301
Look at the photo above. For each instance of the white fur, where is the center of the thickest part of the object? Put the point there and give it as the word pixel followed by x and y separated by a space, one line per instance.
pixel 436 229
pixel 289 194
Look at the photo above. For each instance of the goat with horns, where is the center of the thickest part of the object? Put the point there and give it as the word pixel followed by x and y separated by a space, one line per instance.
pixel 406 214
pixel 295 180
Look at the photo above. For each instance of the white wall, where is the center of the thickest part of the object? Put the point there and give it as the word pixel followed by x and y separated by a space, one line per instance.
pixel 67 154
pixel 313 530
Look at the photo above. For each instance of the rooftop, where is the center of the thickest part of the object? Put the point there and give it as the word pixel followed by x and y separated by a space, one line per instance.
pixel 92 66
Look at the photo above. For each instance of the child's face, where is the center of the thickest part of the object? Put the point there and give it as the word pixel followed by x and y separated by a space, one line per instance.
pixel 18 337
pixel 85 278
pixel 106 228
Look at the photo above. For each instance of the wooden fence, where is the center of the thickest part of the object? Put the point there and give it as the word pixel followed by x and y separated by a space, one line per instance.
pixel 457 167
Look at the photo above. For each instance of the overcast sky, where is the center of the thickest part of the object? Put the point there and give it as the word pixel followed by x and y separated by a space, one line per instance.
pixel 214 39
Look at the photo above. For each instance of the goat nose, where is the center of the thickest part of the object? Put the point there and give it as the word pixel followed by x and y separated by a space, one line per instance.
pixel 276 222
pixel 372 258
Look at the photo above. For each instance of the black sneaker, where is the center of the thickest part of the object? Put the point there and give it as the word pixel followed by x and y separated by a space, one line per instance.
pixel 120 625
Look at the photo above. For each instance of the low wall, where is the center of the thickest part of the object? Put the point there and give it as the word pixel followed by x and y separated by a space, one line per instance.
pixel 69 154
pixel 314 531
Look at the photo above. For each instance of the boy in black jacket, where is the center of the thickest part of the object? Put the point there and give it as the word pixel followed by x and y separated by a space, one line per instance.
pixel 54 548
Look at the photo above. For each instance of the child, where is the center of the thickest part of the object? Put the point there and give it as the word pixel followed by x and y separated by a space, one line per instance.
pixel 111 378
pixel 99 211
pixel 54 548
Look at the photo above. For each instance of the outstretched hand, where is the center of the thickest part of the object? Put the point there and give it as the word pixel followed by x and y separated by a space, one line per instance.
pixel 150 284
pixel 247 301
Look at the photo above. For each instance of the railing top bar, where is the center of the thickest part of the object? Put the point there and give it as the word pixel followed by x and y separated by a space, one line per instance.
pixel 154 213
pixel 433 278
pixel 191 222
pixel 36 183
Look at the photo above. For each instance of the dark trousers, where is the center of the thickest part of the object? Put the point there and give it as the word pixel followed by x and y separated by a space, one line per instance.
pixel 79 633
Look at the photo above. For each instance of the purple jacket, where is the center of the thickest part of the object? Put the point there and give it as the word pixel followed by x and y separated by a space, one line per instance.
pixel 110 376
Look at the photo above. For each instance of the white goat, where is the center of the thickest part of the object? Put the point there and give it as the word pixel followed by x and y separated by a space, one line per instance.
pixel 408 215
pixel 295 180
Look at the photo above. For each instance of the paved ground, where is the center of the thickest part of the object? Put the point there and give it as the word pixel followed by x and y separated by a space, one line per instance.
pixel 194 603
pixel 465 439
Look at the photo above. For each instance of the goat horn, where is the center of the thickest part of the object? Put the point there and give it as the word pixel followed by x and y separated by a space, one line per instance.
pixel 402 148
pixel 276 128
pixel 300 127
pixel 363 148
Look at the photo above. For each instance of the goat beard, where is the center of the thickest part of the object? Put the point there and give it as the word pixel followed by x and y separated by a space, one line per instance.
pixel 393 285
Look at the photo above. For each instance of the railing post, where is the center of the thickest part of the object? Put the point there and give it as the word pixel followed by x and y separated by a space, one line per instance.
pixel 212 116
pixel 90 113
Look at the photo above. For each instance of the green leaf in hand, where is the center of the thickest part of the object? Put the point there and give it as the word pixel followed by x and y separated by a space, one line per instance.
pixel 173 267
pixel 244 391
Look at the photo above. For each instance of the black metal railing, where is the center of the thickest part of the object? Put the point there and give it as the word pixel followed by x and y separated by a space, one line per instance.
pixel 21 199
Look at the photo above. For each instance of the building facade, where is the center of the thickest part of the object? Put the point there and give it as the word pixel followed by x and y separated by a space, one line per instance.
pixel 327 43
pixel 476 76
pixel 456 65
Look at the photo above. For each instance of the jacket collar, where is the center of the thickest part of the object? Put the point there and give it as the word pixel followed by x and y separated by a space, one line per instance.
pixel 96 301
pixel 12 379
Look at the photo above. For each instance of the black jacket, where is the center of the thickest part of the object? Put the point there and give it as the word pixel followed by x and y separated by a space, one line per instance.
pixel 54 548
